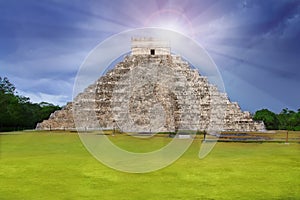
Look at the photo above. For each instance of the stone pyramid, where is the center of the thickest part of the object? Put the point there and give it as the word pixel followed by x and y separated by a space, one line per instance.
pixel 152 90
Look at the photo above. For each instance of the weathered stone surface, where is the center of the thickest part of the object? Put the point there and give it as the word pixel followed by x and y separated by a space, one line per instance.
pixel 59 120
pixel 152 90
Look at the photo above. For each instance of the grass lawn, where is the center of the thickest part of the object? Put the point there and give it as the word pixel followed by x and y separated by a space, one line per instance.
pixel 44 165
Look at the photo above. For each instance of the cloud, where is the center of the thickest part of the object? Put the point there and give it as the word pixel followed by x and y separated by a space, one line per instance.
pixel 44 42
pixel 38 97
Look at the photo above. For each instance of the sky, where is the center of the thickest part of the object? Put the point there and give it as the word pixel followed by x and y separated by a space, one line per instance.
pixel 255 44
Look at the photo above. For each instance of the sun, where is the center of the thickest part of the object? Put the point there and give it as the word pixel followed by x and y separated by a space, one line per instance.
pixel 171 19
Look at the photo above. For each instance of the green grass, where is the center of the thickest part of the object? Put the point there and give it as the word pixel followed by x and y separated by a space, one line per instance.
pixel 57 166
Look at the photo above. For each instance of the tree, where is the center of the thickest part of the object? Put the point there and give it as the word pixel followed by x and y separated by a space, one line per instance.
pixel 289 119
pixel 297 127
pixel 9 110
pixel 46 109
pixel 269 118
pixel 17 112
pixel 6 87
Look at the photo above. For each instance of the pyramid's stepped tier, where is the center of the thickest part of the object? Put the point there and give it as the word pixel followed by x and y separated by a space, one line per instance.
pixel 59 120
pixel 152 93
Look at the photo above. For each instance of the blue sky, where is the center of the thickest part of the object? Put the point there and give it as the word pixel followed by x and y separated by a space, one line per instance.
pixel 255 44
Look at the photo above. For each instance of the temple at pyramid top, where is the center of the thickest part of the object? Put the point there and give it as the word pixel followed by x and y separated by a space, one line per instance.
pixel 149 46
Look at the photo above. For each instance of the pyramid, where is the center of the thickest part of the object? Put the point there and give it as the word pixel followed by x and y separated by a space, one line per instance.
pixel 151 90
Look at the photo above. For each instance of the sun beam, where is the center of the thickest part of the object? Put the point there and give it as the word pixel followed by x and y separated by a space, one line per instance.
pixel 170 19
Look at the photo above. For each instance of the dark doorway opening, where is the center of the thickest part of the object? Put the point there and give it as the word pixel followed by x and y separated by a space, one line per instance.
pixel 152 51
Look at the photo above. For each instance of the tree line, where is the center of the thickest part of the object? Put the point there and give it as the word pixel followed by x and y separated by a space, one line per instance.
pixel 17 112
pixel 285 120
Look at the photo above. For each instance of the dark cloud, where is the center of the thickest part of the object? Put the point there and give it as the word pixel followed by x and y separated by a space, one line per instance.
pixel 255 43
